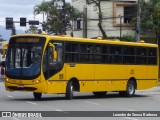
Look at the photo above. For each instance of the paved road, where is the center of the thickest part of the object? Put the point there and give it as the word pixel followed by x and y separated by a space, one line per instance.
pixel 148 100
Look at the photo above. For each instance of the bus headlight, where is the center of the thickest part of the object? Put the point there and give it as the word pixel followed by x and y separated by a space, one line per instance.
pixel 35 81
pixel 7 79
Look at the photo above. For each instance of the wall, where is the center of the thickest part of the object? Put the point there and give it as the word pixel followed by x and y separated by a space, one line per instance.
pixel 108 24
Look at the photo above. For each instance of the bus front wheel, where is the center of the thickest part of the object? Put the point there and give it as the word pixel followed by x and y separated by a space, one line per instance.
pixel 37 96
pixel 69 91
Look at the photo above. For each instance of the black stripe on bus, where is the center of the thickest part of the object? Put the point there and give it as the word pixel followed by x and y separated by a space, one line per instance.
pixel 98 80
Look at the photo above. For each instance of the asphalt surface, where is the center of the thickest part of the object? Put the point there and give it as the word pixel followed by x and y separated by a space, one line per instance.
pixel 146 100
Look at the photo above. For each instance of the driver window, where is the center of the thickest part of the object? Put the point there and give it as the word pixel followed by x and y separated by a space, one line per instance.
pixel 50 56
pixel 50 65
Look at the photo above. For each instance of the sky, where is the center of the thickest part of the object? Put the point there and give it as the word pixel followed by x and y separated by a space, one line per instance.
pixel 19 8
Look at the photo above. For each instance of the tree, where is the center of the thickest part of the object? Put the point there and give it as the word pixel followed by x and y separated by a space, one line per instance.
pixel 57 17
pixel 150 18
pixel 33 29
pixel 42 8
pixel 1 40
pixel 98 4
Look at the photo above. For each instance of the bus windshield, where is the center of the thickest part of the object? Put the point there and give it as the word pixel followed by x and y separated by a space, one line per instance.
pixel 24 57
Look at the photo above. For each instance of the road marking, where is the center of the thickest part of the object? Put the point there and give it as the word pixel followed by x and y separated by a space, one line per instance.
pixel 131 118
pixel 31 103
pixel 92 103
pixel 10 96
pixel 130 110
pixel 148 93
pixel 15 118
pixel 61 111
pixel 58 110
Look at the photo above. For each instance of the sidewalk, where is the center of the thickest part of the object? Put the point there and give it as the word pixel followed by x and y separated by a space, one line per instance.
pixel 1 79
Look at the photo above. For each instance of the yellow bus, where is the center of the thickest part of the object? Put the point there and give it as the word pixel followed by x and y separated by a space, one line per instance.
pixel 61 65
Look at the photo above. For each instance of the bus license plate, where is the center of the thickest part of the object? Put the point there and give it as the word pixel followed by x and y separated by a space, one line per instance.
pixel 20 86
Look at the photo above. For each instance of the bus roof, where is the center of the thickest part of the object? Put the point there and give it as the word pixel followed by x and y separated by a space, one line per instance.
pixel 87 40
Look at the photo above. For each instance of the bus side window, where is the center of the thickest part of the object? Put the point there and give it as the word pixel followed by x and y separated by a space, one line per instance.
pixel 98 56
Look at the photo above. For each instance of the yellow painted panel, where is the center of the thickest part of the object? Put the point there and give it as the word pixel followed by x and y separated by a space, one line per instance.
pixel 152 72
pixel 80 71
pixel 110 72
pixel 99 85
pixel 146 84
pixel 56 87
pixel 137 71
pixel 86 86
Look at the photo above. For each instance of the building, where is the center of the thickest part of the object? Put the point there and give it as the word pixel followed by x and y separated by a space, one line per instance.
pixel 117 16
pixel 1 44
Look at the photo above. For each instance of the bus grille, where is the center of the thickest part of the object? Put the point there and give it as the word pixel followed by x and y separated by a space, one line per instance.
pixel 24 88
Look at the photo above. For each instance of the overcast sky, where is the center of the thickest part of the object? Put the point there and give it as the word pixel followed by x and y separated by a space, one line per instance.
pixel 19 8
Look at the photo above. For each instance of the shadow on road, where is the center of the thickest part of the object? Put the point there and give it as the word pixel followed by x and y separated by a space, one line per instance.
pixel 81 97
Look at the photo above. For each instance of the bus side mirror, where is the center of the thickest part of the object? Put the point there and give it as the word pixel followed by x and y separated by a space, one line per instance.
pixel 54 51
pixel 3 49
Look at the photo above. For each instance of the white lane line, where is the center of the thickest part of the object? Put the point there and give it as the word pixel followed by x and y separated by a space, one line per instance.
pixel 15 118
pixel 31 103
pixel 148 93
pixel 58 110
pixel 10 96
pixel 92 103
pixel 130 118
pixel 61 111
pixel 130 110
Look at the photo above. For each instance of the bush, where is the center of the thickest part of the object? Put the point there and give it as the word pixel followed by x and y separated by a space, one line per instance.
pixel 128 38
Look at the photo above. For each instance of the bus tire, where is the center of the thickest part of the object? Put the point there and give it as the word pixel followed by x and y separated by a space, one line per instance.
pixel 37 96
pixel 130 89
pixel 100 94
pixel 69 91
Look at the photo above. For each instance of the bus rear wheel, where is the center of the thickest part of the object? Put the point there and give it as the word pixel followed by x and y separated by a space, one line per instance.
pixel 99 94
pixel 130 89
pixel 37 96
pixel 131 86
pixel 69 91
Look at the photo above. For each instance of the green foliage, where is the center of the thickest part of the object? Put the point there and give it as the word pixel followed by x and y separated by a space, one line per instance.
pixel 57 19
pixel 40 9
pixel 74 13
pixel 1 40
pixel 150 16
pixel 128 38
pixel 33 29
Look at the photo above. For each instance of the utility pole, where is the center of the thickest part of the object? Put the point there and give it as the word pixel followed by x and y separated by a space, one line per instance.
pixel 138 22
pixel 13 31
pixel 84 21
pixel 120 27
pixel 64 19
